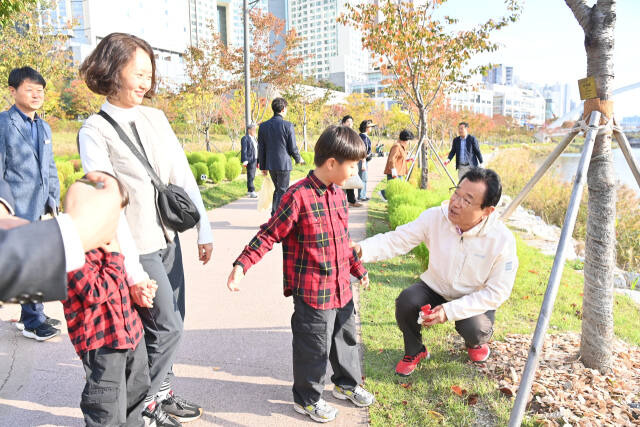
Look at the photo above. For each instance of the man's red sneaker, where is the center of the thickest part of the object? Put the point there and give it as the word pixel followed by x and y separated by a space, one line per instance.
pixel 479 353
pixel 408 364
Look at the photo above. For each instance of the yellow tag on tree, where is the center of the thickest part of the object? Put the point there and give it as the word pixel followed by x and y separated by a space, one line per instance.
pixel 587 88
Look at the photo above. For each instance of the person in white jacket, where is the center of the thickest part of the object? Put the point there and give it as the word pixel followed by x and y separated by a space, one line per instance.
pixel 472 267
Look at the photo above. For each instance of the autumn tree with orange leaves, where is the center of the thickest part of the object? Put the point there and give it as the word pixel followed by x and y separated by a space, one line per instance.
pixel 419 52
pixel 215 71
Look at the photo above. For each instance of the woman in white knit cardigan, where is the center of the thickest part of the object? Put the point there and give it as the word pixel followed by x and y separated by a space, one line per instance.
pixel 122 67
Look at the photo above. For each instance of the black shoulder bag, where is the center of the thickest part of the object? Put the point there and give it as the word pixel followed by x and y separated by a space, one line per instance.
pixel 177 210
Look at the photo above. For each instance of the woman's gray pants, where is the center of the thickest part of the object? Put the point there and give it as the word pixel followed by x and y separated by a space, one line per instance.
pixel 163 323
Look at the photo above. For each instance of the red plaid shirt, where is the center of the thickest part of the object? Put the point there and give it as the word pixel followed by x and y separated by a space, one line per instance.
pixel 98 309
pixel 311 222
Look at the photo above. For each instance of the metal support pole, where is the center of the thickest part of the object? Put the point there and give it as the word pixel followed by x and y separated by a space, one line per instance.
pixel 441 164
pixel 623 142
pixel 539 174
pixel 556 273
pixel 415 159
pixel 247 73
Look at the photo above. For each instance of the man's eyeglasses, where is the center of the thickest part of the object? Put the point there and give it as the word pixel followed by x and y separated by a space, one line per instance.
pixel 456 196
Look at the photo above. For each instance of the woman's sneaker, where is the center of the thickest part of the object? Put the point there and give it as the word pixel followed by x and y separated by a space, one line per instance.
pixel 181 409
pixel 154 416
pixel 41 333
pixel 320 411
pixel 359 396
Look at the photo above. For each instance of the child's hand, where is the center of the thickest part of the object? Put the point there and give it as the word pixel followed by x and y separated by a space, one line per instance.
pixel 364 282
pixel 142 293
pixel 234 278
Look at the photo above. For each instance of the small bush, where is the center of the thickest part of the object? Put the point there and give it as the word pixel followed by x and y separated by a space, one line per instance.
pixel 65 168
pixel 232 154
pixel 196 157
pixel 202 172
pixel 217 171
pixel 307 156
pixel 233 168
pixel 217 157
pixel 194 171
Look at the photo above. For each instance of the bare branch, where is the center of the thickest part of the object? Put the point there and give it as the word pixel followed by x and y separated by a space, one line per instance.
pixel 581 11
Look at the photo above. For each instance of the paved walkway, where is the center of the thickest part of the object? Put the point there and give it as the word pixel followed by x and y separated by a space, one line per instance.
pixel 235 357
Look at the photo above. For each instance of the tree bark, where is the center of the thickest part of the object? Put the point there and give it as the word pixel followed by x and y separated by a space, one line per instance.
pixel 422 136
pixel 598 23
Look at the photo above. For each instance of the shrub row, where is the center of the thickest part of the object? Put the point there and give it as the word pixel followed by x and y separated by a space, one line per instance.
pixel 214 166
pixel 69 170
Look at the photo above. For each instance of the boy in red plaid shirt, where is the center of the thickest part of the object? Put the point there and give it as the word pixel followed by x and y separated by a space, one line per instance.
pixel 108 336
pixel 311 222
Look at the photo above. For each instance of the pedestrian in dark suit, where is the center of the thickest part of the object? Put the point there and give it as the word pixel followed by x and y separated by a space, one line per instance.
pixel 276 146
pixel 30 172
pixel 35 257
pixel 466 149
pixel 249 157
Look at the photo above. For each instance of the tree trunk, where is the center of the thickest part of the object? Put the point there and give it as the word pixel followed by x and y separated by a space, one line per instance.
pixel 422 136
pixel 206 139
pixel 598 23
pixel 304 125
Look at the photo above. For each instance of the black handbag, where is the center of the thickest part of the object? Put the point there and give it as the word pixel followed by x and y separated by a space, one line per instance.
pixel 177 210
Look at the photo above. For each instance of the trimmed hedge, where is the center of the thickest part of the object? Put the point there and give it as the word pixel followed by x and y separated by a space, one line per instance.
pixel 233 168
pixel 217 171
pixel 194 171
pixel 217 157
pixel 202 172
pixel 232 154
pixel 307 156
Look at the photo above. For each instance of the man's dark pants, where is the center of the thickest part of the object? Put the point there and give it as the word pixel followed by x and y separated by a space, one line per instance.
pixel 117 383
pixel 320 336
pixel 163 323
pixel 475 330
pixel 281 183
pixel 251 174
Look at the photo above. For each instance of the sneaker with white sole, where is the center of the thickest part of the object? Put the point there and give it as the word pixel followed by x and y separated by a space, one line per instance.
pixel 41 333
pixel 48 320
pixel 157 417
pixel 181 409
pixel 320 411
pixel 359 396
pixel 384 199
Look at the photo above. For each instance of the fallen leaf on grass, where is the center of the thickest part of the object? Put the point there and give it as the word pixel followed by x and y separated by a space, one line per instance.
pixel 216 368
pixel 506 391
pixel 457 390
pixel 381 350
pixel 406 385
pixel 533 272
pixel 404 402
pixel 526 297
pixel 437 415
pixel 472 399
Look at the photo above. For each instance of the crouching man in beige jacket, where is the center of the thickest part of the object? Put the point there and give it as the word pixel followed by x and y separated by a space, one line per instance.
pixel 472 267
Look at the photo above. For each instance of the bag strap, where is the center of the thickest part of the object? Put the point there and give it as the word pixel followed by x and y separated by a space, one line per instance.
pixel 127 141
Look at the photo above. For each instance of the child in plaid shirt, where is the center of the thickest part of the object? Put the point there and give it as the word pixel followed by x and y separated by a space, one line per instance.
pixel 108 336
pixel 311 222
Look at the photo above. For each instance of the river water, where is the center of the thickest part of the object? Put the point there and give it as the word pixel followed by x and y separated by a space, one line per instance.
pixel 567 165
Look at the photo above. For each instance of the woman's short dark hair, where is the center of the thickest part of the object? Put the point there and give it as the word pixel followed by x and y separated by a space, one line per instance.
pixel 405 135
pixel 17 76
pixel 364 125
pixel 340 142
pixel 491 180
pixel 101 70
pixel 278 105
pixel 345 118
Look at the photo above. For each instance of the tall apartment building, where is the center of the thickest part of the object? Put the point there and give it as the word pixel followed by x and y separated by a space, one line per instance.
pixel 162 23
pixel 500 75
pixel 226 16
pixel 332 52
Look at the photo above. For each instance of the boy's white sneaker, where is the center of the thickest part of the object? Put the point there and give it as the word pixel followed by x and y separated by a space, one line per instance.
pixel 320 411
pixel 359 396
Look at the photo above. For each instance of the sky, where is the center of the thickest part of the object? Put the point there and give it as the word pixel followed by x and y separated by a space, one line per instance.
pixel 547 45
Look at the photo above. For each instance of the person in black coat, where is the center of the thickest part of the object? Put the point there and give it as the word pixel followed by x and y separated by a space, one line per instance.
pixel 466 149
pixel 249 157
pixel 276 146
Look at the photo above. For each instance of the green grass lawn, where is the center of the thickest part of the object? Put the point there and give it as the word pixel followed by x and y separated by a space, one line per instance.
pixel 425 398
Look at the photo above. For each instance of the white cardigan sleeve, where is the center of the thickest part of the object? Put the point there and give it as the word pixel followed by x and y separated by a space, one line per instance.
pixel 95 157
pixel 181 175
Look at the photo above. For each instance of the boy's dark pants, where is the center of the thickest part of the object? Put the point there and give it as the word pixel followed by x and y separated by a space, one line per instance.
pixel 475 330
pixel 320 336
pixel 117 383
